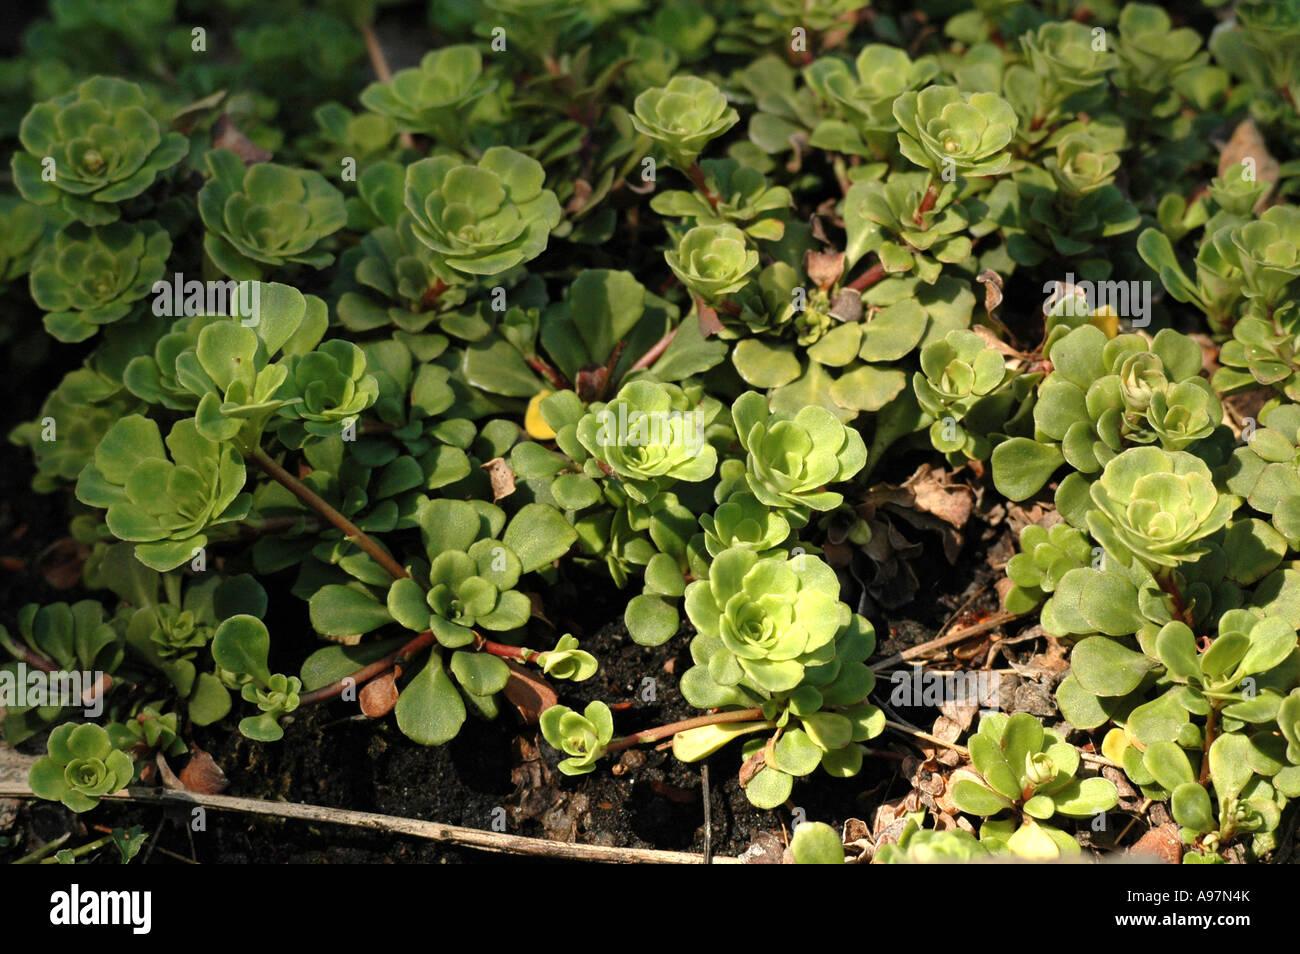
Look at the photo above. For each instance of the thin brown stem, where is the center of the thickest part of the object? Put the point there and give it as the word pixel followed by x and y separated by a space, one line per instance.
pixel 379 63
pixel 672 728
pixel 655 353
pixel 696 175
pixel 1211 731
pixel 927 203
pixel 957 635
pixel 550 373
pixel 868 278
pixel 366 673
pixel 322 507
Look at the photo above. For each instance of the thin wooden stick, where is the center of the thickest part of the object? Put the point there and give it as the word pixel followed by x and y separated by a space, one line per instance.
pixel 956 636
pixel 413 827
pixel 379 63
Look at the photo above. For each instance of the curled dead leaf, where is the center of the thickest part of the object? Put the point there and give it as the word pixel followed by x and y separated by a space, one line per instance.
pixel 528 692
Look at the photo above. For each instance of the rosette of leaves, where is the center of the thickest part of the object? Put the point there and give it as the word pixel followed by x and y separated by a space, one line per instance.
pixel 102 146
pixel 1157 507
pixel 74 637
pixel 164 499
pixel 743 522
pixel 223 367
pixel 1265 471
pixel 822 722
pixel 713 261
pixel 80 767
pixel 862 98
pixel 1154 59
pixel 769 615
pixel 83 407
pixel 567 661
pixel 240 647
pixel 485 217
pixel 148 731
pixel 401 280
pixel 266 216
pixel 1067 59
pixel 929 846
pixel 683 117
pixel 742 196
pixel 538 25
pixel 1262 352
pixel 1266 252
pixel 650 436
pixel 1046 555
pixel 1106 394
pixel 1021 768
pixel 942 129
pixel 434 97
pixel 791 459
pixel 326 390
pixel 22 228
pixel 90 276
pixel 956 388
pixel 476 560
pixel 881 216
pixel 582 738
pixel 1068 206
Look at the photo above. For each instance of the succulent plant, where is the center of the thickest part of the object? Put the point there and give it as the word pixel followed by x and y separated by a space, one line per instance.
pixel 1266 251
pixel 433 97
pixel 1157 507
pixel 957 374
pixel 713 260
pixel 266 216
pixel 327 389
pixel 482 218
pixel 1021 767
pixel 90 276
pixel 649 436
pixel 942 128
pixel 771 614
pixel 81 767
pixel 163 503
pixel 683 117
pixel 790 460
pixel 582 738
pixel 929 846
pixel 102 145
pixel 1046 555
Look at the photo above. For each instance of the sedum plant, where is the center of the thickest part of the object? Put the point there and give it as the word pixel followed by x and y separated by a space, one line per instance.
pixel 92 148
pixel 87 277
pixel 476 399
pixel 81 767
pixel 1022 768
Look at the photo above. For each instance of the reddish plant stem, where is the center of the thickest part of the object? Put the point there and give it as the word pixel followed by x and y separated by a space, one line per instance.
pixel 655 353
pixel 432 294
pixel 552 375
pixel 927 203
pixel 1211 730
pixel 672 728
pixel 696 175
pixel 31 657
pixel 379 63
pixel 366 673
pixel 322 507
pixel 868 278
